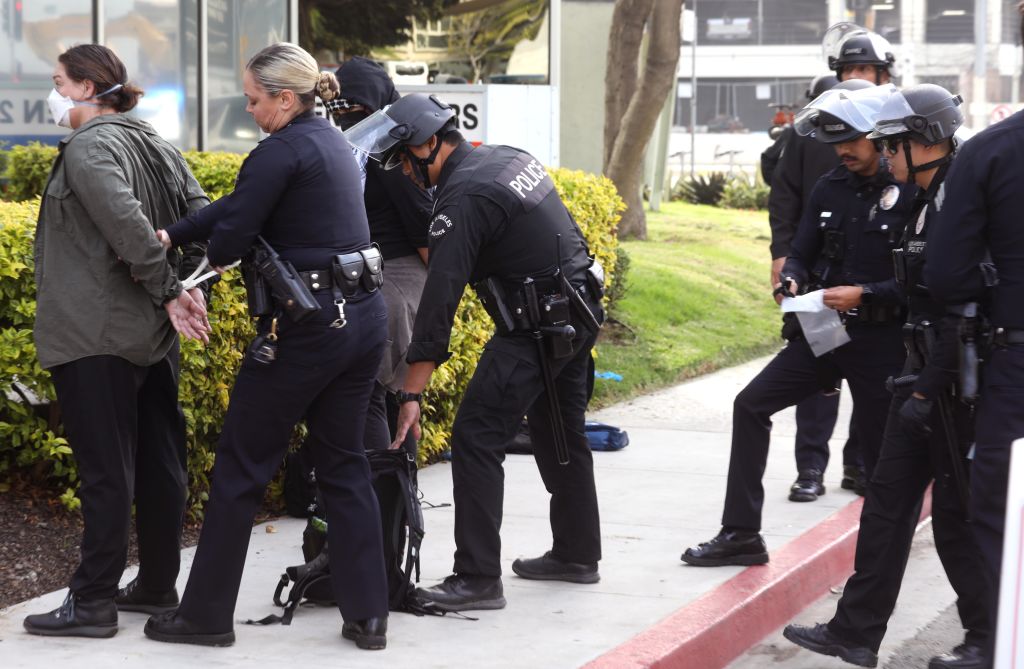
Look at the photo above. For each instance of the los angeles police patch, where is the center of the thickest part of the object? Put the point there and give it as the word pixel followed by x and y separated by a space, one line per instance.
pixel 890 195
pixel 440 225
pixel 525 177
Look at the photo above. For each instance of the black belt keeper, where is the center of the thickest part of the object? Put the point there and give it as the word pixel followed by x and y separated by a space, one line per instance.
pixel 317 280
pixel 876 314
pixel 1007 336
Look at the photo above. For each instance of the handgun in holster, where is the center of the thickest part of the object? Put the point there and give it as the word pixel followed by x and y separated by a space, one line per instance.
pixel 289 292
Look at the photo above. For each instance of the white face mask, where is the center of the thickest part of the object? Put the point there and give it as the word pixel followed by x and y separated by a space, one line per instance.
pixel 60 108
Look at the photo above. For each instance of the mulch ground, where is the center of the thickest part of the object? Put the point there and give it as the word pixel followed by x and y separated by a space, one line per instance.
pixel 39 542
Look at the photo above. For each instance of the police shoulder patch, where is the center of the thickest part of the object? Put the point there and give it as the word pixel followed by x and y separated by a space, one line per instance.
pixel 526 178
pixel 440 225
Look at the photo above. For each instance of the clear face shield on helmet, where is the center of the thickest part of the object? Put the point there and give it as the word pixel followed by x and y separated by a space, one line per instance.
pixel 835 36
pixel 377 136
pixel 858 109
pixel 895 117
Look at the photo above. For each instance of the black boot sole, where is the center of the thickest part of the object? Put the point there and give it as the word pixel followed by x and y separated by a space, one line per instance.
pixel 216 640
pixel 366 641
pixel 88 631
pixel 803 497
pixel 476 605
pixel 586 579
pixel 861 657
pixel 750 560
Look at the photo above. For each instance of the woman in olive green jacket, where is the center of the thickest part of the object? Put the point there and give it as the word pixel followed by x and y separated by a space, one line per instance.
pixel 109 303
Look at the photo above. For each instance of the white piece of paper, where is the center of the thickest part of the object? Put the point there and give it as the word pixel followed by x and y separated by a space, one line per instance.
pixel 811 302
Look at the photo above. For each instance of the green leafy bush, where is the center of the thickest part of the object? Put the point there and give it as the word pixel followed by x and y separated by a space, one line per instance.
pixel 701 189
pixel 28 167
pixel 215 171
pixel 32 442
pixel 743 193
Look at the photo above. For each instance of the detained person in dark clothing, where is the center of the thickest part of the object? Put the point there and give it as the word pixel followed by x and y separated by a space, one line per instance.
pixel 399 213
pixel 499 224
pixel 299 193
pixel 843 246
pixel 928 431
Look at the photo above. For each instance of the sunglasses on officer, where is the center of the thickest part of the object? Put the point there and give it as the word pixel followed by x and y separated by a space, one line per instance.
pixel 889 145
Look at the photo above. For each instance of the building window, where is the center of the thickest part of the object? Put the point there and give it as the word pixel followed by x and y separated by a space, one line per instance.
pixel 723 22
pixel 728 105
pixel 949 21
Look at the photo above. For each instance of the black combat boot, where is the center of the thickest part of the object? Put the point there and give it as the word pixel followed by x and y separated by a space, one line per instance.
pixel 169 627
pixel 463 592
pixel 95 618
pixel 964 656
pixel 808 487
pixel 730 547
pixel 135 597
pixel 549 568
pixel 854 479
pixel 819 639
pixel 369 634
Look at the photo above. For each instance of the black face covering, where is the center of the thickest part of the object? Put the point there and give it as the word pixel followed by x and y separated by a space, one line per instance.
pixel 346 120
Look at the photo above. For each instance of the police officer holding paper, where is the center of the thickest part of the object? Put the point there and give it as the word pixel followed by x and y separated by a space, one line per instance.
pixel 855 217
pixel 928 431
pixel 500 225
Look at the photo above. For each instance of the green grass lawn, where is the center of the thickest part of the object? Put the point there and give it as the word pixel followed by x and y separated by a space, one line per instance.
pixel 698 299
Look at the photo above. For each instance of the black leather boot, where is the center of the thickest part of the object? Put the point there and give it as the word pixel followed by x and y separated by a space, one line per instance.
pixel 854 479
pixel 169 627
pixel 964 656
pixel 95 618
pixel 369 634
pixel 730 547
pixel 549 568
pixel 819 639
pixel 808 486
pixel 135 597
pixel 463 592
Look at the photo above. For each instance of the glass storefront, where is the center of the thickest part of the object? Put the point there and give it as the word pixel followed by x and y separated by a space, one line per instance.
pixel 159 42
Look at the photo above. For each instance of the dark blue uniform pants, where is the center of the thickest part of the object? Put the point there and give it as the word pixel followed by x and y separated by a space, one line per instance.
pixel 324 375
pixel 815 420
pixel 506 386
pixel 127 433
pixel 874 353
pixel 1000 421
pixel 892 507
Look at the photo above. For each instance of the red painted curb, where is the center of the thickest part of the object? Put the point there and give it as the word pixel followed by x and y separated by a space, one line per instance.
pixel 722 624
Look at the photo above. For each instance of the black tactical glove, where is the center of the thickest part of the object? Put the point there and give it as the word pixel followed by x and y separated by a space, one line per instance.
pixel 914 415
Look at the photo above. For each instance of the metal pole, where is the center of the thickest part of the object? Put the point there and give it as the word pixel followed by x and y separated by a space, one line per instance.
pixel 978 104
pixel 98 22
pixel 693 94
pixel 202 78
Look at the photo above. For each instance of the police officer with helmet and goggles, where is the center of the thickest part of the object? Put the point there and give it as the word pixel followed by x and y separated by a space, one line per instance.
pixel 928 431
pixel 843 245
pixel 500 225
pixel 855 52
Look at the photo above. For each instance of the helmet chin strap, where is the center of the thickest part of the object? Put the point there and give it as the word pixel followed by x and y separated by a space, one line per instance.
pixel 913 169
pixel 423 164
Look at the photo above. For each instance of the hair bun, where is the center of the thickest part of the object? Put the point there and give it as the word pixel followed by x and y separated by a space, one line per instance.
pixel 327 86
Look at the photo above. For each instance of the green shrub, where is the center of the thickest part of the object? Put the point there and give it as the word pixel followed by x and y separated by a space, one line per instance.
pixel 701 189
pixel 33 445
pixel 28 167
pixel 743 193
pixel 215 171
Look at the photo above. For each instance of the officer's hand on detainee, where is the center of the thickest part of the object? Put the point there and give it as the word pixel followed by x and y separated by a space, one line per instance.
pixel 408 418
pixel 843 298
pixel 914 416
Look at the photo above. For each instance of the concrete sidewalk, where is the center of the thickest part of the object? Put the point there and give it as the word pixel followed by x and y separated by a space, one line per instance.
pixel 658 496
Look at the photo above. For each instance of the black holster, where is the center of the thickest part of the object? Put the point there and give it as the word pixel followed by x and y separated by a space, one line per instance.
pixel 268 272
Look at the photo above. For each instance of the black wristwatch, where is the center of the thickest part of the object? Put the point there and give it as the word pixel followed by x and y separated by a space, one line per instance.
pixel 403 397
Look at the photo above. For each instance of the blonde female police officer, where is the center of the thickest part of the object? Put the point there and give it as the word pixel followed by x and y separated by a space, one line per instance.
pixel 300 190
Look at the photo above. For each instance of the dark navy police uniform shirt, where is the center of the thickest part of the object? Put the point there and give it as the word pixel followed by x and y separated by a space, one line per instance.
pixel 871 212
pixel 983 213
pixel 496 213
pixel 398 210
pixel 299 188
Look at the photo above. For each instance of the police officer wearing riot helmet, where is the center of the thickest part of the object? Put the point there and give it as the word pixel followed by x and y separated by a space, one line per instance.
pixel 855 218
pixel 928 430
pixel 499 224
pixel 804 161
pixel 399 213
pixel 980 223
pixel 299 192
pixel 854 54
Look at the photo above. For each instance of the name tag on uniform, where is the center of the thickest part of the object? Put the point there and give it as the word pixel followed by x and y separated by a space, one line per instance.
pixel 527 180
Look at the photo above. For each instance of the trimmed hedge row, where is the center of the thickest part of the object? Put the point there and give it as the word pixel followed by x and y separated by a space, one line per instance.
pixel 31 440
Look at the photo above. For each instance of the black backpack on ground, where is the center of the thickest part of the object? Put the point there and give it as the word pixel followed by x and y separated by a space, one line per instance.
pixel 394 480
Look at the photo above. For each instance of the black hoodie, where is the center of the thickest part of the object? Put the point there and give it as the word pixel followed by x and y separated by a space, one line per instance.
pixel 398 210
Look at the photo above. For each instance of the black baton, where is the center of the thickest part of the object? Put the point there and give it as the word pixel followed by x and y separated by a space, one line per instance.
pixel 555 411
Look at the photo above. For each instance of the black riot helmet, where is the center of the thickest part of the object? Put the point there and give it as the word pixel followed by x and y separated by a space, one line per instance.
pixel 820 84
pixel 411 121
pixel 927 114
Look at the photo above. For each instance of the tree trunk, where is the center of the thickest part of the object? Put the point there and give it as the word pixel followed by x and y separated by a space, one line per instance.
pixel 630 120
